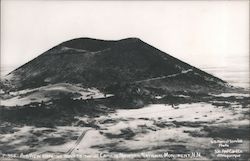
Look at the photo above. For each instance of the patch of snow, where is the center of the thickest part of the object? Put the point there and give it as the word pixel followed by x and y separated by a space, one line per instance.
pixel 185 112
pixel 1 91
pixel 182 96
pixel 186 71
pixel 16 101
pixel 158 97
pixel 232 94
pixel 42 94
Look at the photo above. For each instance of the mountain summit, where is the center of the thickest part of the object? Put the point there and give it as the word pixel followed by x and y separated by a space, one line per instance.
pixel 101 63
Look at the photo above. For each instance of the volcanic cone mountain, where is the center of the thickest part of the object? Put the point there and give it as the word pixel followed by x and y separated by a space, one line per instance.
pixel 100 64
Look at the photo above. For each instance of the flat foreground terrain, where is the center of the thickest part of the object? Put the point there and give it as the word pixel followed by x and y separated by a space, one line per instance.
pixel 195 131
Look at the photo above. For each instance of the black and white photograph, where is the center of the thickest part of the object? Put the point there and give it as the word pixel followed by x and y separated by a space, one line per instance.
pixel 124 80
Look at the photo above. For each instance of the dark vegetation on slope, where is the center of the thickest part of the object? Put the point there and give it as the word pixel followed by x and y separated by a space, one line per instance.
pixel 104 64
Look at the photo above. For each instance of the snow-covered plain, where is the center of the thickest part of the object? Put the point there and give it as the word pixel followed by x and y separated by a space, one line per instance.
pixel 153 129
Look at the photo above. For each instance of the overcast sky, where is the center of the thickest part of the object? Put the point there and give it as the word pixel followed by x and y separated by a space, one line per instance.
pixel 200 33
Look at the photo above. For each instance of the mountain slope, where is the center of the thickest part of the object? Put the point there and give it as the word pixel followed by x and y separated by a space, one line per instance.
pixel 99 63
